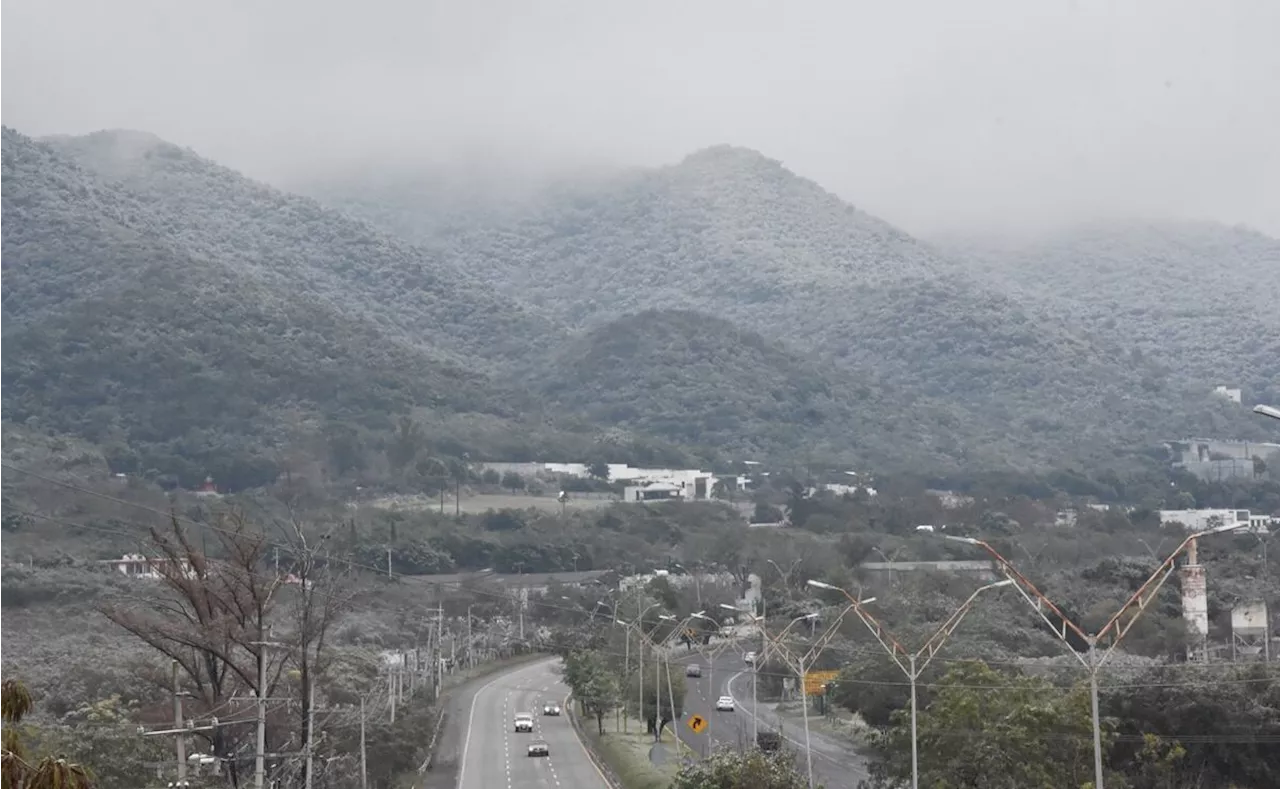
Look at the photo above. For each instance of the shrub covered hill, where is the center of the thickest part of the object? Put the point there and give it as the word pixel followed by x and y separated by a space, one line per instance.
pixel 988 378
pixel 192 322
pixel 1199 297
pixel 690 377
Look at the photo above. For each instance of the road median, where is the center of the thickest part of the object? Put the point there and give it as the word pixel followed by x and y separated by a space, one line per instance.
pixel 623 757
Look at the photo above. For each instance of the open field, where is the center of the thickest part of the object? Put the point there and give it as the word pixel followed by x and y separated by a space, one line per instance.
pixel 496 501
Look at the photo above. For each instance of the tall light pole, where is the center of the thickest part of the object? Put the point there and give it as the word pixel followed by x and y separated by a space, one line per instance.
pixel 644 638
pixel 1115 629
pixel 915 662
pixel 638 625
pixel 803 663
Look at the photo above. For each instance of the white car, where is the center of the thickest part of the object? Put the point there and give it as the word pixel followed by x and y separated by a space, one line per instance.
pixel 724 704
pixel 524 722
pixel 539 749
pixel 750 657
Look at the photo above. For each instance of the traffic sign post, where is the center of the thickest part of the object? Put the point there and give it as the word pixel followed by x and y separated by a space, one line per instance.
pixel 697 723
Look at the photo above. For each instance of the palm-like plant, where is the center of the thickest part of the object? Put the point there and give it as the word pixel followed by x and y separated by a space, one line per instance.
pixel 15 772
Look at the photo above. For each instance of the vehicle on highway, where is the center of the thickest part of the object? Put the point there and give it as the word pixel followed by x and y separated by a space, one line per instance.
pixel 750 657
pixel 524 721
pixel 693 670
pixel 551 709
pixel 724 704
pixel 539 749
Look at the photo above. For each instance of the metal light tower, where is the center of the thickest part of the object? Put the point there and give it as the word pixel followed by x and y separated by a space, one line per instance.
pixel 1115 629
pixel 915 662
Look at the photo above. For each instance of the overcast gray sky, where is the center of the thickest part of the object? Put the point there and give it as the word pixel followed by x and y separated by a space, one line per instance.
pixel 938 115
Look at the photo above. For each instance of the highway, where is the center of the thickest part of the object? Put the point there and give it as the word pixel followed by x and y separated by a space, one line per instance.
pixel 494 756
pixel 835 764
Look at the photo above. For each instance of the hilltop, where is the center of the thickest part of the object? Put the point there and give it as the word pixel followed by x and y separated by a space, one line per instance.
pixel 293 244
pixel 991 377
pixel 185 339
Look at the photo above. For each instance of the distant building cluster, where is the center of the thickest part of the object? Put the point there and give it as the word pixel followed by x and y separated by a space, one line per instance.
pixel 1214 460
pixel 646 484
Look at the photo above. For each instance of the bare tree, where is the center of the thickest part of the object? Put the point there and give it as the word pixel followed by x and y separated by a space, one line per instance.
pixel 211 617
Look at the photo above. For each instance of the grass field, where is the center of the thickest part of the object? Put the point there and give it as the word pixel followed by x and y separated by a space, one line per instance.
pixel 493 501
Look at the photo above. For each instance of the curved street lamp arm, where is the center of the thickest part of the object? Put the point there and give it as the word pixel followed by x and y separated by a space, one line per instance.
pixel 1034 597
pixel 940 636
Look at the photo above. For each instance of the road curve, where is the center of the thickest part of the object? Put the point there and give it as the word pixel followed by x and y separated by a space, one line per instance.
pixel 494 756
pixel 835 764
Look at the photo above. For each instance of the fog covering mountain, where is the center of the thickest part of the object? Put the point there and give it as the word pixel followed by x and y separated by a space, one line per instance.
pixel 193 322
pixel 296 245
pixel 1200 297
pixel 990 376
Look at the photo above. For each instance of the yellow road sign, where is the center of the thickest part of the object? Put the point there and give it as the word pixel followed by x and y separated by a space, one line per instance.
pixel 698 724
pixel 815 682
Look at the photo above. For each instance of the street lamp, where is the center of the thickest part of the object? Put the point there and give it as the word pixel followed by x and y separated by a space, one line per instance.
pixel 801 664
pixel 1116 628
pixel 1266 410
pixel 915 662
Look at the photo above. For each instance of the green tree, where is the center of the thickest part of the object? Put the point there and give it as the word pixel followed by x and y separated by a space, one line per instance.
pixel 662 685
pixel 16 771
pixel 594 685
pixel 986 729
pixel 405 444
pixel 512 481
pixel 599 469
pixel 751 769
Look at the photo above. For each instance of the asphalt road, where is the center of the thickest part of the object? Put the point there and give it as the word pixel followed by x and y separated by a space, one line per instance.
pixel 835 764
pixel 494 756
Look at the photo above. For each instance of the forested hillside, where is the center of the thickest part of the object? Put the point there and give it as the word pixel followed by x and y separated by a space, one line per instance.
pixel 991 377
pixel 1198 296
pixel 295 245
pixel 186 359
pixel 686 376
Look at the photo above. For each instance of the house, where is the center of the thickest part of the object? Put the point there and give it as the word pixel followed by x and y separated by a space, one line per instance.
pixel 135 565
pixel 1216 460
pixel 654 491
pixel 1203 520
pixel 1234 395
pixel 208 488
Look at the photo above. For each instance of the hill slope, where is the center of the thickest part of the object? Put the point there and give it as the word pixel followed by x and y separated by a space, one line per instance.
pixel 294 244
pixel 699 380
pixel 992 377
pixel 186 363
pixel 1199 296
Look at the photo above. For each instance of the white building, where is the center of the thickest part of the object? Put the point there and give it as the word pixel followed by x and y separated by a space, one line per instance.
pixel 135 565
pixel 1234 395
pixel 1203 520
pixel 653 491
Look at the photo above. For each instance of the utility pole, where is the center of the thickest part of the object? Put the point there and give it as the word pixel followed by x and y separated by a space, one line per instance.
pixel 391 687
pixel 364 772
pixel 177 724
pixel 471 660
pixel 388 561
pixel 437 670
pixel 277 556
pixel 311 724
pixel 259 759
